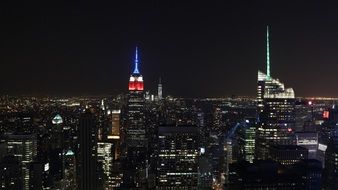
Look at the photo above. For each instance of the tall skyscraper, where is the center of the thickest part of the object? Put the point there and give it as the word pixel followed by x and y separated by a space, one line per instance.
pixel 276 119
pixel 70 170
pixel 135 140
pixel 159 89
pixel 87 152
pixel 246 134
pixel 57 147
pixel 135 130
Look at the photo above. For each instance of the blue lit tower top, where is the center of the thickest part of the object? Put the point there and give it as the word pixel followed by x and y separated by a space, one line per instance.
pixel 136 71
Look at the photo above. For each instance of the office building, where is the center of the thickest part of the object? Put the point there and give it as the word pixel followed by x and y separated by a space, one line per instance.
pixel 105 162
pixel 135 139
pixel 288 154
pixel 114 134
pixel 268 174
pixel 276 118
pixel 177 154
pixel 56 148
pixel 24 148
pixel 246 136
pixel 308 140
pixel 87 152
pixel 70 170
pixel 263 174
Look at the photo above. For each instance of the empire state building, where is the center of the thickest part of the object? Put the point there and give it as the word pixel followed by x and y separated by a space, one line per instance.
pixel 135 133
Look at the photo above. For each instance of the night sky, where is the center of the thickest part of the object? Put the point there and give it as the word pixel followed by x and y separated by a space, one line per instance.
pixel 199 48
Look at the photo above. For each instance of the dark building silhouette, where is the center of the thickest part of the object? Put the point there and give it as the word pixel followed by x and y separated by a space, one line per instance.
pixel 36 175
pixel 263 174
pixel 311 172
pixel 331 165
pixel 288 154
pixel 87 152
pixel 268 174
pixel 10 173
pixel 56 150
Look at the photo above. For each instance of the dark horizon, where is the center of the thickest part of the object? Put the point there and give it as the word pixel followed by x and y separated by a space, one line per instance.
pixel 198 49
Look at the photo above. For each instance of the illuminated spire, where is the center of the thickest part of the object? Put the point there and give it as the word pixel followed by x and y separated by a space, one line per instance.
pixel 267 53
pixel 136 63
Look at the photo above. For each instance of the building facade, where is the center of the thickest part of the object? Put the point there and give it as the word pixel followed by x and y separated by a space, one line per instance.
pixel 87 152
pixel 177 157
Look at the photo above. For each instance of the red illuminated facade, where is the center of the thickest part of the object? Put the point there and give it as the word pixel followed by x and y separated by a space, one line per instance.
pixel 136 83
pixel 326 114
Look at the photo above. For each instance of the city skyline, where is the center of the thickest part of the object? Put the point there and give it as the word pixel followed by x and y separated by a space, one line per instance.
pixel 198 51
pixel 159 95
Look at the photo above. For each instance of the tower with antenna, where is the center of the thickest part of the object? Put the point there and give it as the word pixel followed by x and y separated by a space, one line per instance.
pixel 275 110
pixel 136 79
pixel 135 140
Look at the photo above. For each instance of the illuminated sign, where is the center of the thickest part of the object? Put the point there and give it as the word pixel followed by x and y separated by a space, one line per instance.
pixel 326 114
pixel 116 111
pixel 113 137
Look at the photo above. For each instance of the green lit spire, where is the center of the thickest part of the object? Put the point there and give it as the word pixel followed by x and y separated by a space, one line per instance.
pixel 267 53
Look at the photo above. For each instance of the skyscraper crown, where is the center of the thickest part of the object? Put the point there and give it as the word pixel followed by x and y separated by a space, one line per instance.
pixel 136 79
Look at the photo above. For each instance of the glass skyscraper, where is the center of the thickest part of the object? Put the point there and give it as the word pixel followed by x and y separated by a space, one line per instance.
pixel 276 117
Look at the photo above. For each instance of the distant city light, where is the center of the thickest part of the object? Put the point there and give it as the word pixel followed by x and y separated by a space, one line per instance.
pixel 57 120
pixel 322 147
pixel 202 150
pixel 46 168
pixel 326 114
